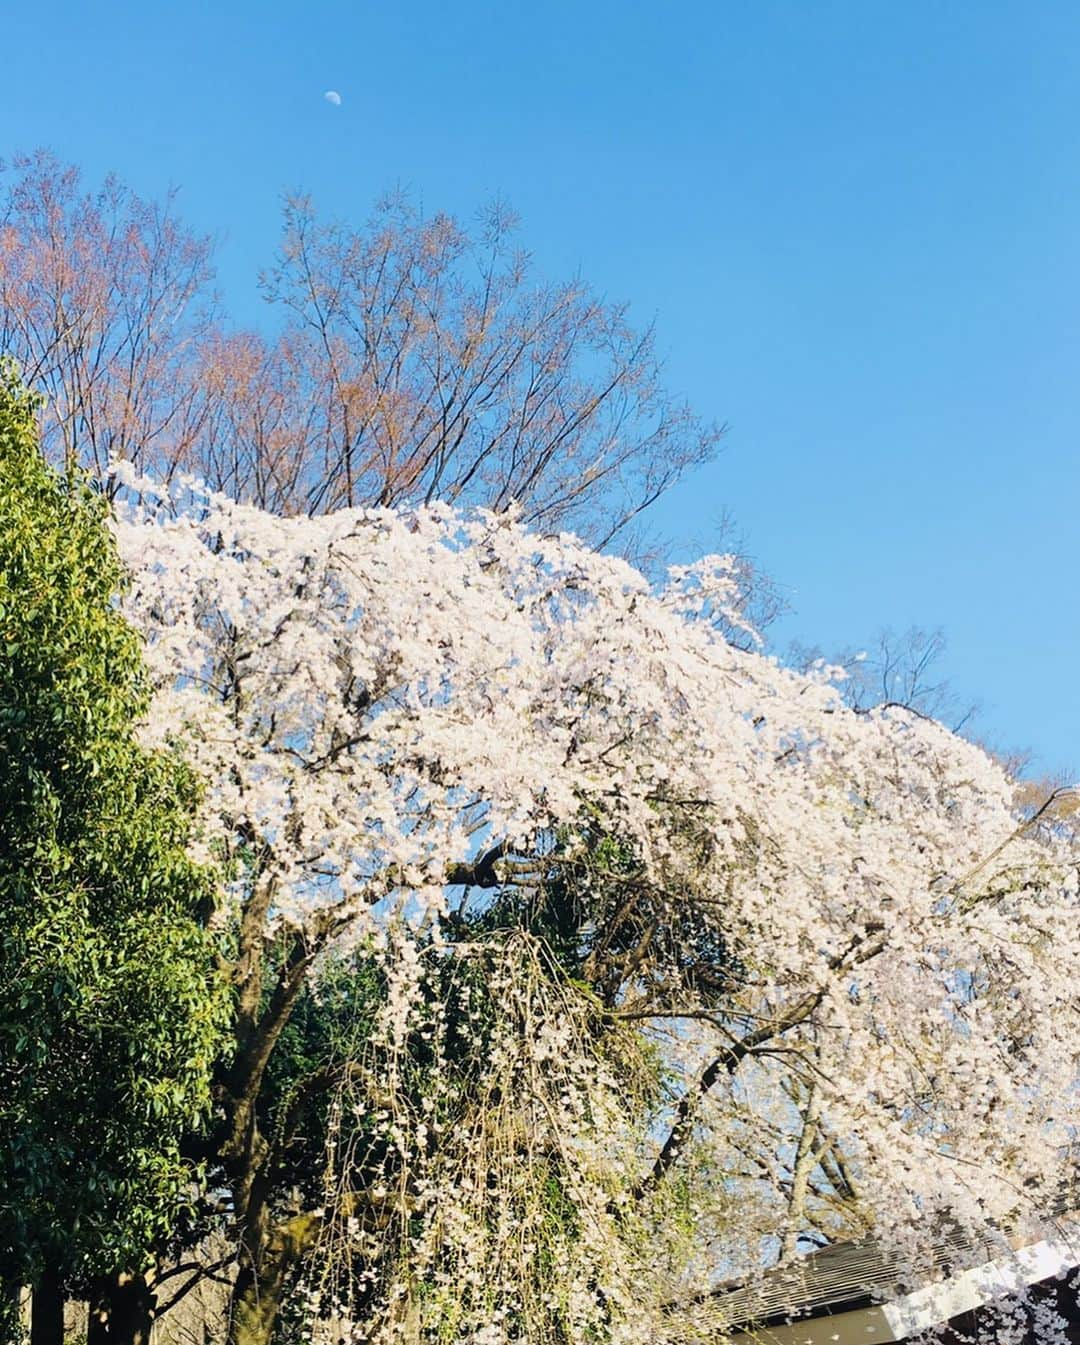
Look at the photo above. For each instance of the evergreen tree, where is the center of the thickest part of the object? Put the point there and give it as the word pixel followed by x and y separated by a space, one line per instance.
pixel 111 1011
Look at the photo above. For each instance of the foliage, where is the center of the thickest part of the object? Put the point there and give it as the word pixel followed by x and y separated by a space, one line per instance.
pixel 328 1030
pixel 110 1013
pixel 581 953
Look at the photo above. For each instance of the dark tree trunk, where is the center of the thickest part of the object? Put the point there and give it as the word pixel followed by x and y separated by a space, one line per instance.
pixel 47 1310
pixel 97 1326
pixel 122 1312
pixel 267 1251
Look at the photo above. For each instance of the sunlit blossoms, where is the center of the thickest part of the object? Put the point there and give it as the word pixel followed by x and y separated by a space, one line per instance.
pixel 849 956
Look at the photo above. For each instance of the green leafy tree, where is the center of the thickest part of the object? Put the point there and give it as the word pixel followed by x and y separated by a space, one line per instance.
pixel 111 1011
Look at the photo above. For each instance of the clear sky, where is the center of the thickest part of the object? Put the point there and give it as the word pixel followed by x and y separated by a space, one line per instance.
pixel 856 223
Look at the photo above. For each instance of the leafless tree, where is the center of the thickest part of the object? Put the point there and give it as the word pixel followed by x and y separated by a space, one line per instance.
pixel 417 359
pixel 105 302
pixel 898 669
pixel 436 365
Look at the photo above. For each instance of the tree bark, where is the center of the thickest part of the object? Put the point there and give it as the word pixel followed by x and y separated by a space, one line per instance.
pixel 260 1285
pixel 805 1158
pixel 47 1310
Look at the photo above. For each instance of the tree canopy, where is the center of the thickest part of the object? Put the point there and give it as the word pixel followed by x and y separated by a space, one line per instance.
pixel 738 965
pixel 409 358
pixel 110 1009
pixel 465 935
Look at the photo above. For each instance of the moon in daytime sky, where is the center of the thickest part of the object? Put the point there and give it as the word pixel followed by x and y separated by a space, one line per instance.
pixel 332 96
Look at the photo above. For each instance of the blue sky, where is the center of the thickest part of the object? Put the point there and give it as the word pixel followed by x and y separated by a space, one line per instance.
pixel 856 223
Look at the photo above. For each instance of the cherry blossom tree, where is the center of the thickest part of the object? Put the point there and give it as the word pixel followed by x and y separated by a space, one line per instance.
pixel 675 957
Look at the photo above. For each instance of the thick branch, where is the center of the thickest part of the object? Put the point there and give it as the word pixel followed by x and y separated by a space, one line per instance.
pixel 729 1060
pixel 482 872
pixel 805 1159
